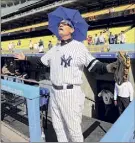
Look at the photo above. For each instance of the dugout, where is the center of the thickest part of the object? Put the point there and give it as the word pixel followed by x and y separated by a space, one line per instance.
pixel 92 82
pixel 92 85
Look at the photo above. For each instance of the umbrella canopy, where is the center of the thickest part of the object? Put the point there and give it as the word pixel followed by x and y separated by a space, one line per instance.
pixel 74 16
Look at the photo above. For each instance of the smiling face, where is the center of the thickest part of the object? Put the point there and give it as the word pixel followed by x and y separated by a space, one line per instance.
pixel 65 29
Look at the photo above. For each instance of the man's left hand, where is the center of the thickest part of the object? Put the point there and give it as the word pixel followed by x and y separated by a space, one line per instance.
pixel 112 67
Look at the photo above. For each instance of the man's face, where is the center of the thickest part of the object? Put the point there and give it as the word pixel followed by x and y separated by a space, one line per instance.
pixel 64 29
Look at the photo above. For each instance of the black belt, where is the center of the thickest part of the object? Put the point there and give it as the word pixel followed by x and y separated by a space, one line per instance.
pixel 69 86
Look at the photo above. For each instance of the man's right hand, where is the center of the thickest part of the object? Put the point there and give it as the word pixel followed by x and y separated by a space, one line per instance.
pixel 20 56
pixel 115 103
pixel 112 67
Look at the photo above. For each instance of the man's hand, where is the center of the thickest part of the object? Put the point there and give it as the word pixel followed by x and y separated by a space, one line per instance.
pixel 115 103
pixel 20 56
pixel 111 67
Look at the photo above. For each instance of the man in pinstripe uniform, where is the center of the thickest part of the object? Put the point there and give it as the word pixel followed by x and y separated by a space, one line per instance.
pixel 66 62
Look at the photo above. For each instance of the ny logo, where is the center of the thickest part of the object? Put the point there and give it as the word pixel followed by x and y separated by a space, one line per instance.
pixel 65 61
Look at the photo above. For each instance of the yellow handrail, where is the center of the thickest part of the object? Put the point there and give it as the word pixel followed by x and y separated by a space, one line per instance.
pixel 26 27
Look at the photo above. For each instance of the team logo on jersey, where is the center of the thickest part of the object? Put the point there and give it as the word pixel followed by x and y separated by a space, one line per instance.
pixel 66 62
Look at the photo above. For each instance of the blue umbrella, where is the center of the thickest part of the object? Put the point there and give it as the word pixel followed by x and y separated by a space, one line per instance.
pixel 74 16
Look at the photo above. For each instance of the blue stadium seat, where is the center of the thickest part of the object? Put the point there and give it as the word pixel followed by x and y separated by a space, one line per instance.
pixel 44 92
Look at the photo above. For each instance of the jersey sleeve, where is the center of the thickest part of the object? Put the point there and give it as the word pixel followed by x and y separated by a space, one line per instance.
pixel 34 60
pixel 86 59
pixel 46 58
pixel 92 64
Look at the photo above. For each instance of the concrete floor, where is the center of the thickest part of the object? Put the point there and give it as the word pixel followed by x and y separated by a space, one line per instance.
pixel 93 129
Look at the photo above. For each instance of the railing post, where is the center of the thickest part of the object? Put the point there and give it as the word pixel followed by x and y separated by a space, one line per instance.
pixel 123 129
pixel 34 119
pixel 32 95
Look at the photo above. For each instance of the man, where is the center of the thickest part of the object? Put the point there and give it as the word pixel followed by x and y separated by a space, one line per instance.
pixel 36 46
pixel 8 68
pixel 13 47
pixel 5 69
pixel 101 38
pixel 10 47
pixel 50 45
pixel 122 38
pixel 116 39
pixel 96 41
pixel 108 101
pixel 111 38
pixel 31 45
pixel 19 43
pixel 89 39
pixel 123 95
pixel 41 46
pixel 66 62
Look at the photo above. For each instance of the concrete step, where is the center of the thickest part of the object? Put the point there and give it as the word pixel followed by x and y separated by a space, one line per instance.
pixel 9 134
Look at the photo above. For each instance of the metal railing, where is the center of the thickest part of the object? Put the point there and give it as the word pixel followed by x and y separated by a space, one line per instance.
pixel 123 129
pixel 91 48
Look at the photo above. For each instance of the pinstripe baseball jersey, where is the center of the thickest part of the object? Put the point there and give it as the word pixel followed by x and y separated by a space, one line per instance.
pixel 67 62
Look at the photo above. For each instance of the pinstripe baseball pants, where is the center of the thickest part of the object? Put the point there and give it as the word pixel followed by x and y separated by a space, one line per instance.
pixel 66 111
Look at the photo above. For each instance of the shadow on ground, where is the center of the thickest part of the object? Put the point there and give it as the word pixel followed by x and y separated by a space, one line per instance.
pixel 93 129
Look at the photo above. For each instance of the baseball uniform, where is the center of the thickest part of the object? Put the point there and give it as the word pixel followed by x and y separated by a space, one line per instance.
pixel 66 62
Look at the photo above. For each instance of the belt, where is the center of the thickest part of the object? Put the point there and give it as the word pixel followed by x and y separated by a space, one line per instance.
pixel 122 97
pixel 69 86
